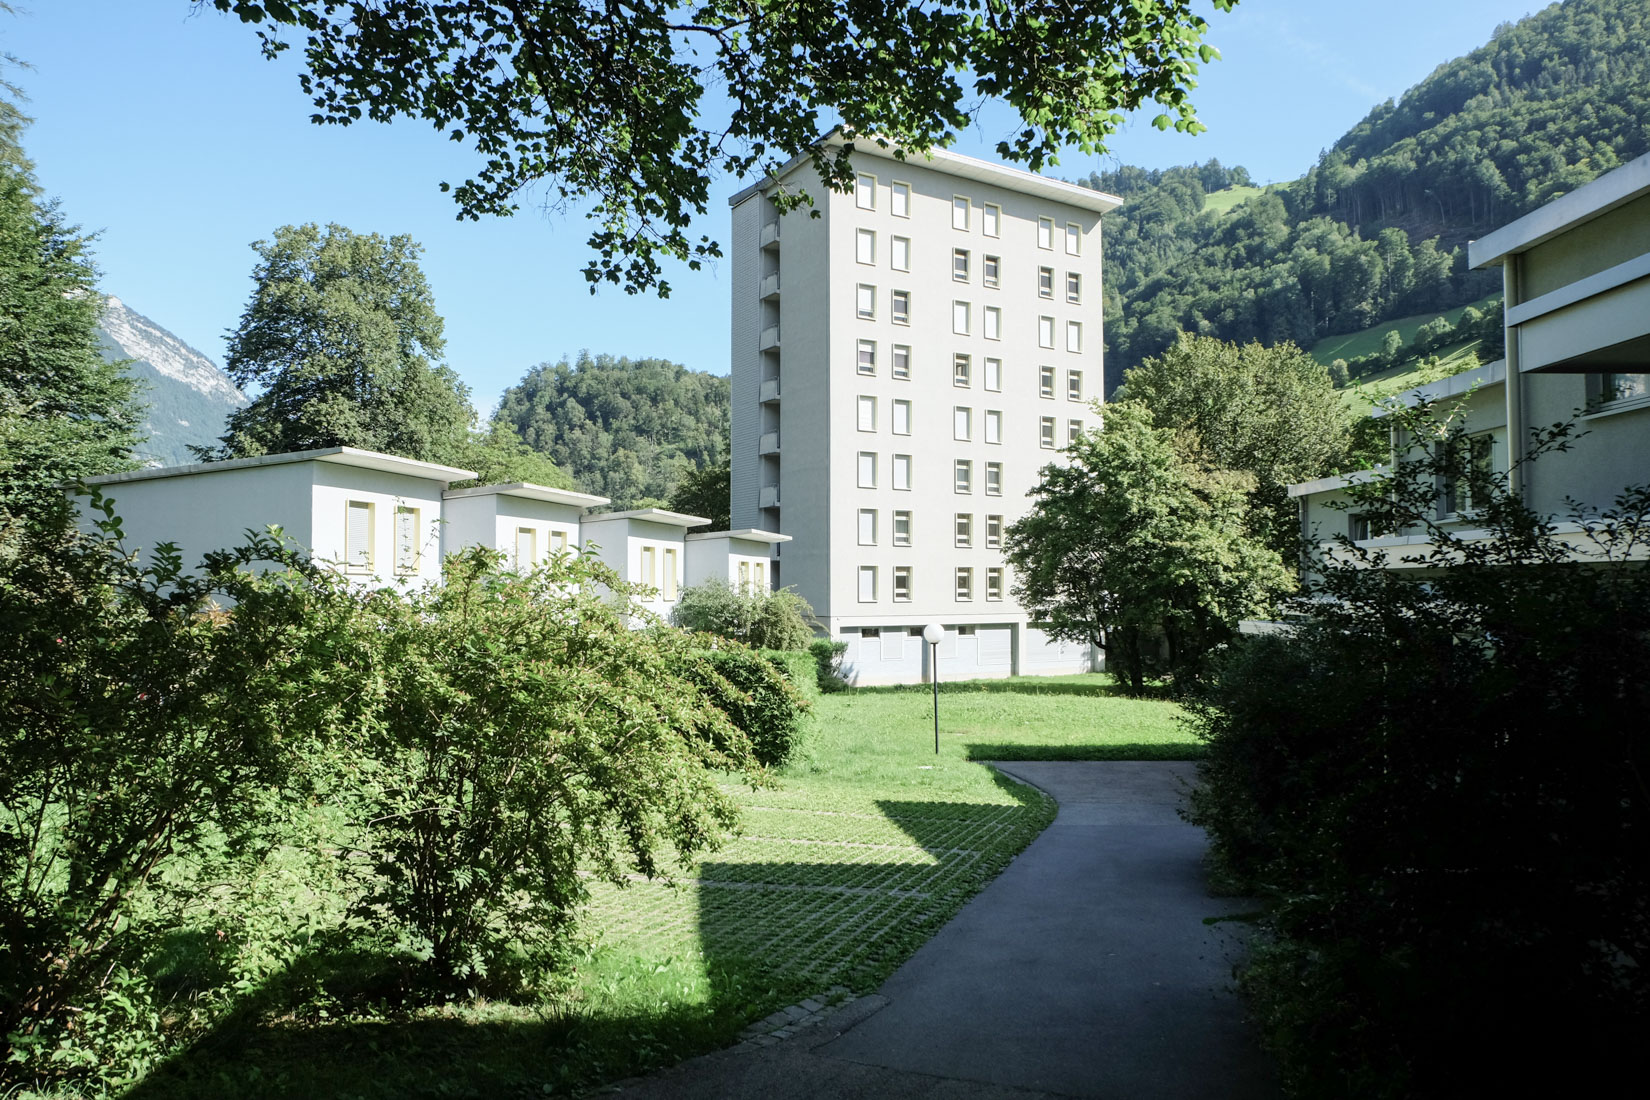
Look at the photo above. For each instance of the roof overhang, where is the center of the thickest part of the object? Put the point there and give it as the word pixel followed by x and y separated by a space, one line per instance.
pixel 530 491
pixel 337 456
pixel 748 534
pixel 651 515
pixel 1615 188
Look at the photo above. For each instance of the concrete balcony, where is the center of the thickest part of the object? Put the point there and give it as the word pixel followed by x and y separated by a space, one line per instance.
pixel 770 234
pixel 770 390
pixel 770 286
pixel 768 444
pixel 768 497
pixel 770 338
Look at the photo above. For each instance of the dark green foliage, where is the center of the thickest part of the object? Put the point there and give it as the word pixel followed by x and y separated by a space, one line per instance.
pixel 758 697
pixel 707 492
pixel 764 620
pixel 632 431
pixel 1436 781
pixel 827 657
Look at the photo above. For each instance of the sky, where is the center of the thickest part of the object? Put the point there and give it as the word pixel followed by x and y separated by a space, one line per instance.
pixel 164 131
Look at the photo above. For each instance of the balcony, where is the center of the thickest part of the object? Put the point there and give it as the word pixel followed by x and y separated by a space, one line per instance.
pixel 770 390
pixel 770 286
pixel 770 338
pixel 768 497
pixel 768 444
pixel 770 234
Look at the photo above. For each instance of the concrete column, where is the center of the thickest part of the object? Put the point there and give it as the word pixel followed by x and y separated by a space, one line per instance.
pixel 1514 385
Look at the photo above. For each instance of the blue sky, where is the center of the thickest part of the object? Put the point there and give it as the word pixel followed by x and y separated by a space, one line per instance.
pixel 164 131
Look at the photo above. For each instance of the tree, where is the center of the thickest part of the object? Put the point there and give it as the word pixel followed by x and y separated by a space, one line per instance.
pixel 605 103
pixel 707 492
pixel 1270 412
pixel 762 619
pixel 1131 548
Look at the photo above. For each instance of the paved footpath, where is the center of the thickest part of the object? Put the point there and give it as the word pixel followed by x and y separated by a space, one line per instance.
pixel 1084 969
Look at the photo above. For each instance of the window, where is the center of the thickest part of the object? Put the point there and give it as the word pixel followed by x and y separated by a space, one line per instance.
pixel 646 573
pixel 1478 453
pixel 358 536
pixel 994 583
pixel 993 479
pixel 959 264
pixel 902 584
pixel 994 375
pixel 902 418
pixel 965 584
pixel 1074 238
pixel 899 305
pixel 959 212
pixel 965 529
pixel 1045 233
pixel 991 270
pixel 993 323
pixel 900 200
pixel 406 540
pixel 865 301
pixel 867 470
pixel 1614 388
pixel 993 530
pixel 964 476
pixel 902 471
pixel 744 574
pixel 961 370
pixel 527 547
pixel 867 414
pixel 670 573
pixel 865 246
pixel 993 426
pixel 558 542
pixel 1045 332
pixel 899 254
pixel 867 358
pixel 867 584
pixel 1074 385
pixel 865 192
pixel 1045 433
pixel 759 576
pixel 1074 431
pixel 1045 382
pixel 867 526
pixel 991 217
pixel 959 318
pixel 1074 288
pixel 1074 336
pixel 1045 282
pixel 902 528
pixel 1357 526
pixel 902 362
pixel 962 424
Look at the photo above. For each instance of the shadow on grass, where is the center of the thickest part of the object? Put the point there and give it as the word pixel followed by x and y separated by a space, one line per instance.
pixel 1018 686
pixel 1171 750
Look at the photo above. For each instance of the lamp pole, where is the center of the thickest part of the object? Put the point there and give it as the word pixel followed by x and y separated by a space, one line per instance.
pixel 934 634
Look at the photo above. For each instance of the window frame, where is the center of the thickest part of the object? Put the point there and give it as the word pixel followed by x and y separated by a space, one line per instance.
pixel 1047 426
pixel 993 530
pixel 1045 381
pixel 895 371
pixel 962 476
pixel 964 584
pixel 1074 385
pixel 962 423
pixel 1048 224
pixel 867 527
pixel 867 572
pixel 1045 332
pixel 899 253
pixel 965 314
pixel 962 529
pixel 962 265
pixel 993 479
pixel 991 323
pixel 897 188
pixel 865 293
pixel 1074 287
pixel 898 409
pixel 861 469
pixel 992 367
pixel 994 583
pixel 895 538
pixel 368 559
pixel 992 427
pixel 862 403
pixel 895 464
pixel 1045 283
pixel 1074 239
pixel 865 246
pixel 966 209
pixel 865 358
pixel 901 580
pixel 416 544
pixel 991 271
pixel 865 197
pixel 899 307
pixel 962 370
pixel 1074 337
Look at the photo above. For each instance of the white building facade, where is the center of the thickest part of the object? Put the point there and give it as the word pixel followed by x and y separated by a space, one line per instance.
pixel 904 364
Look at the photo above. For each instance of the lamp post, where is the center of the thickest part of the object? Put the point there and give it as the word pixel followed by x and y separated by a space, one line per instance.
pixel 934 634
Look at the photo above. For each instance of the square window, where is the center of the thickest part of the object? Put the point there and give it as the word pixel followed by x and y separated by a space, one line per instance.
pixel 1045 382
pixel 1074 238
pixel 991 270
pixel 964 476
pixel 960 318
pixel 902 528
pixel 1074 288
pixel 867 584
pixel 867 414
pixel 867 526
pixel 959 264
pixel 1045 432
pixel 902 418
pixel 994 584
pixel 993 479
pixel 1074 385
pixel 1045 332
pixel 865 246
pixel 961 370
pixel 1074 431
pixel 900 306
pixel 991 217
pixel 902 584
pixel 993 323
pixel 902 362
pixel 1074 336
pixel 993 426
pixel 902 472
pixel 993 531
pixel 965 529
pixel 965 584
pixel 1045 233
pixel 959 212
pixel 865 191
pixel 867 357
pixel 962 424
pixel 899 253
pixel 867 470
pixel 865 301
pixel 994 375
pixel 1045 282
pixel 900 200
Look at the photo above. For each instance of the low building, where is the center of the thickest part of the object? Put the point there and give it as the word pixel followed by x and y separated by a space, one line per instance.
pixel 645 546
pixel 528 522
pixel 738 557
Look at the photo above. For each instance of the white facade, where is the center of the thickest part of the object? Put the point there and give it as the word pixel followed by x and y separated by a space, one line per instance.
pixel 903 367
pixel 741 558
pixel 647 546
pixel 529 523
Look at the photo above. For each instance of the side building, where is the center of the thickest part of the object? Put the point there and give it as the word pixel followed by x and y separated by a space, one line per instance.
pixel 906 358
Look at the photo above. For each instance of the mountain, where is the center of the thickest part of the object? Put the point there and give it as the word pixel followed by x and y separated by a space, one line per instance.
pixel 189 397
pixel 1375 231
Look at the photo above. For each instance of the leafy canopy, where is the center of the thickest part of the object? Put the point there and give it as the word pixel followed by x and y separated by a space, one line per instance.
pixel 607 103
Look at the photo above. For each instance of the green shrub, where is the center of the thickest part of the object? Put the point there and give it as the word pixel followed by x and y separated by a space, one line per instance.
pixel 827 657
pixel 762 620
pixel 800 669
pixel 758 697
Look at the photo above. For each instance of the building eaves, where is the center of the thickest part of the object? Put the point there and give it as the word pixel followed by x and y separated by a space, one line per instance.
pixel 530 491
pixel 1615 188
pixel 338 456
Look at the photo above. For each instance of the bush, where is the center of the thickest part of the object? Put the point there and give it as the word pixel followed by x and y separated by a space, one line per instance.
pixel 827 657
pixel 800 669
pixel 757 697
pixel 762 620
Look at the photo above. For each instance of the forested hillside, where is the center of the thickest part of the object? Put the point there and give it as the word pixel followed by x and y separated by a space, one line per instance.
pixel 1375 230
pixel 627 429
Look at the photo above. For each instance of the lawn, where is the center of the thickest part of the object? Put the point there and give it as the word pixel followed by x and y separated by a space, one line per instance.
pixel 1362 395
pixel 1226 199
pixel 1353 345
pixel 866 846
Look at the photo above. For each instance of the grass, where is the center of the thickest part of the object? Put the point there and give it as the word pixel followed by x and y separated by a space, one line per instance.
pixel 867 846
pixel 1353 345
pixel 1366 391
pixel 1223 201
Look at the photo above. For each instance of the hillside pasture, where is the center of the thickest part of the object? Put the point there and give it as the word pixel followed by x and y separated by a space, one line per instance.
pixel 1355 345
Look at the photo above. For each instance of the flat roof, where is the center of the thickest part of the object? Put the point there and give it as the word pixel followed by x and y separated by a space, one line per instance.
pixel 1615 188
pixel 1479 377
pixel 1335 481
pixel 652 515
pixel 955 164
pixel 530 491
pixel 338 456
pixel 749 534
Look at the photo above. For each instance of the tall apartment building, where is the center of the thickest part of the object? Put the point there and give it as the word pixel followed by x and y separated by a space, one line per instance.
pixel 903 366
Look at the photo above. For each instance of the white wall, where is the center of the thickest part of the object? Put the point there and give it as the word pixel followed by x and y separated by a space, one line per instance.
pixel 334 486
pixel 619 544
